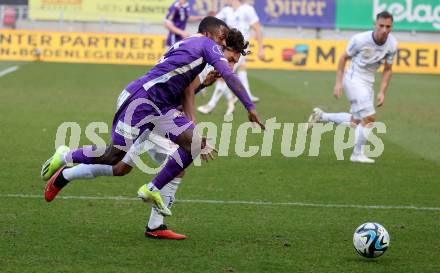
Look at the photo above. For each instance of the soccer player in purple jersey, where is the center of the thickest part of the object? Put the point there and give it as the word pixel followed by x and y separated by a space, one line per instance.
pixel 150 103
pixel 176 20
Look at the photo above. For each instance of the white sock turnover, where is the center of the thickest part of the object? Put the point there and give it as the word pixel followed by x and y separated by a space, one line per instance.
pixel 220 86
pixel 242 75
pixel 87 171
pixel 360 138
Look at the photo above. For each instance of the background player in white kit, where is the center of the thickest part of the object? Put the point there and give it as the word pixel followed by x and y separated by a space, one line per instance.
pixel 367 51
pixel 242 16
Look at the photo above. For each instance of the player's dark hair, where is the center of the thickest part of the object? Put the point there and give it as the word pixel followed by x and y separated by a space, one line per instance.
pixel 210 24
pixel 236 42
pixel 385 15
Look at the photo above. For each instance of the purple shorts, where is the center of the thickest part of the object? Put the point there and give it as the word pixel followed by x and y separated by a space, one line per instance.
pixel 136 113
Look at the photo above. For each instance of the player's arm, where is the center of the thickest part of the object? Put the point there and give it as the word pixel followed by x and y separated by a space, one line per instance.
pixel 353 48
pixel 188 100
pixel 237 87
pixel 254 22
pixel 194 18
pixel 171 27
pixel 259 38
pixel 386 77
pixel 337 90
pixel 234 83
pixel 213 55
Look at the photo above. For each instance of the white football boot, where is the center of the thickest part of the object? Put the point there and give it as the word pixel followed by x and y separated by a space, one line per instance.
pixel 314 117
pixel 205 109
pixel 361 158
pixel 255 99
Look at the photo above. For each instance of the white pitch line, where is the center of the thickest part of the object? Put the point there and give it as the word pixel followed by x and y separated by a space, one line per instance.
pixel 8 70
pixel 222 202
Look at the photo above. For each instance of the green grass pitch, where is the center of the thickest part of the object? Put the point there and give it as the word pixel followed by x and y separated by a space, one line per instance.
pixel 89 235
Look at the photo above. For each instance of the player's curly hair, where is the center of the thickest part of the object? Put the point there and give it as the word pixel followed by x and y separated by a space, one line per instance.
pixel 236 42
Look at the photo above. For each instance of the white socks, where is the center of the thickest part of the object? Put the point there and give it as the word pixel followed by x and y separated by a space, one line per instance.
pixel 87 171
pixel 222 89
pixel 167 193
pixel 228 94
pixel 217 94
pixel 360 138
pixel 339 118
pixel 242 75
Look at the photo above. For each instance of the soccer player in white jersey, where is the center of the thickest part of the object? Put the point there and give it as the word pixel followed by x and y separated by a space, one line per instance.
pixel 367 51
pixel 242 16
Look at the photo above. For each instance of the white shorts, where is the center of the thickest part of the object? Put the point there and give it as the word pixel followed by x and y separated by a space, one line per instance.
pixel 158 148
pixel 361 97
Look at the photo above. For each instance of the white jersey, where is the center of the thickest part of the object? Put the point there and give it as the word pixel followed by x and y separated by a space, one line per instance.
pixel 208 68
pixel 202 76
pixel 242 18
pixel 367 55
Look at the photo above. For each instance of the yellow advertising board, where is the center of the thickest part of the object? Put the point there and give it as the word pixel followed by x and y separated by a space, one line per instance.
pixel 289 54
pixel 323 55
pixel 77 47
pixel 99 10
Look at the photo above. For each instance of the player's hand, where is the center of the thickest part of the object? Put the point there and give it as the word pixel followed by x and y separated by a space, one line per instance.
pixel 208 151
pixel 253 117
pixel 184 34
pixel 337 90
pixel 211 77
pixel 261 54
pixel 380 99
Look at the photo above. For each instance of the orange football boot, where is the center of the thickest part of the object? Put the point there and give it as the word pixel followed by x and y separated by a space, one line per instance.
pixel 162 232
pixel 50 191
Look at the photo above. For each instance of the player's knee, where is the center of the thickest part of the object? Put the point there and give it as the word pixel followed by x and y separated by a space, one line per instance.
pixel 111 157
pixel 355 122
pixel 368 120
pixel 121 169
pixel 186 145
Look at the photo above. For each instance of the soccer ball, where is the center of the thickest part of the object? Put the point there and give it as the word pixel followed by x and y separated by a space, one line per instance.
pixel 371 240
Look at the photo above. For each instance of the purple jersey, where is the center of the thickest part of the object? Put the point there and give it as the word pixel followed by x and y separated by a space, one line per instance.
pixel 165 82
pixel 178 15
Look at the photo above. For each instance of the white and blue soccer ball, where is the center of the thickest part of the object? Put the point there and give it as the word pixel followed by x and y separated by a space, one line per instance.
pixel 371 240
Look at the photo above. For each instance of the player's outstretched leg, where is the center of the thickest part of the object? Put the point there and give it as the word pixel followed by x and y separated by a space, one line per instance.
pixel 318 115
pixel 54 163
pixel 81 171
pixel 114 167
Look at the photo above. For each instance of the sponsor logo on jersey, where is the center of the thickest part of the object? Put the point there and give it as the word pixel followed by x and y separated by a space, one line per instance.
pixel 126 130
pixel 217 50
